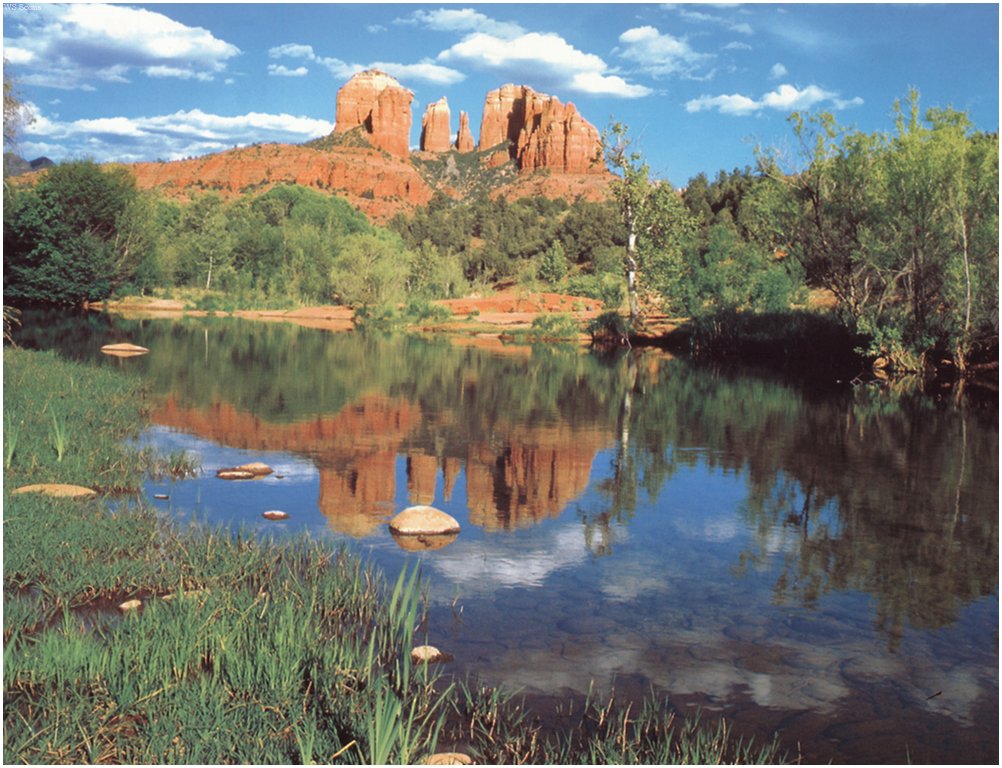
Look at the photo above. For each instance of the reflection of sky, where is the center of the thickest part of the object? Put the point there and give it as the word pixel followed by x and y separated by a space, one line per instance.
pixel 543 612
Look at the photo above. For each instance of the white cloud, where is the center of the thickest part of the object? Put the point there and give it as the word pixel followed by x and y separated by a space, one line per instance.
pixel 688 14
pixel 607 85
pixel 785 98
pixel 542 57
pixel 180 134
pixel 465 20
pixel 70 46
pixel 660 54
pixel 280 70
pixel 737 46
pixel 292 50
pixel 729 104
pixel 777 71
pixel 425 70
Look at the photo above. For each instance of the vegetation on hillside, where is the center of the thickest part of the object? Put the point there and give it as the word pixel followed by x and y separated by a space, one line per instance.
pixel 900 229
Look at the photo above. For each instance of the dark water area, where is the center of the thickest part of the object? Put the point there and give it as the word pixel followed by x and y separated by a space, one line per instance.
pixel 821 563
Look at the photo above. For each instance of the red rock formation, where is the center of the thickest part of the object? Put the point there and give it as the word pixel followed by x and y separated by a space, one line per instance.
pixel 542 132
pixel 378 185
pixel 435 130
pixel 464 139
pixel 381 106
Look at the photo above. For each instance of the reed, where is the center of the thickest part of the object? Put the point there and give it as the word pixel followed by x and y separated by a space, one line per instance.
pixel 11 431
pixel 58 434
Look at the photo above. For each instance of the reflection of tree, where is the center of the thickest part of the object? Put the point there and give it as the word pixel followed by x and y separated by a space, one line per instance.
pixel 874 490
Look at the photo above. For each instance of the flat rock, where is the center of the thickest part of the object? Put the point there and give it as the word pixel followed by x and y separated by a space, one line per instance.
pixel 124 350
pixel 259 469
pixel 233 473
pixel 130 605
pixel 449 758
pixel 428 654
pixel 423 521
pixel 59 490
pixel 275 514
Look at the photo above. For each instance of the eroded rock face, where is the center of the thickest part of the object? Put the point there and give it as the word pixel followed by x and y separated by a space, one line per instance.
pixel 435 130
pixel 381 106
pixel 464 139
pixel 541 131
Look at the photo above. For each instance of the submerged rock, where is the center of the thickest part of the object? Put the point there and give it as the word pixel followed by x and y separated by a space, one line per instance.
pixel 59 490
pixel 423 542
pixel 423 521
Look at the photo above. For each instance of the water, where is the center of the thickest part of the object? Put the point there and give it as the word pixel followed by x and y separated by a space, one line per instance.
pixel 819 563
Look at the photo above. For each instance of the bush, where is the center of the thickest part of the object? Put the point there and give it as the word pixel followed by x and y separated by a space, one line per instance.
pixel 610 328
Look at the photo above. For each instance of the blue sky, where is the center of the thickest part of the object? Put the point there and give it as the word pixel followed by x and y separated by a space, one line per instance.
pixel 699 85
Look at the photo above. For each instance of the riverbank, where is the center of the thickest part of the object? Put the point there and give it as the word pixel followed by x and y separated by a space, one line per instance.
pixel 238 650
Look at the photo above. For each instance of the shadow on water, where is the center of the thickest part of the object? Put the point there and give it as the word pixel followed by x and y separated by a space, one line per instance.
pixel 822 562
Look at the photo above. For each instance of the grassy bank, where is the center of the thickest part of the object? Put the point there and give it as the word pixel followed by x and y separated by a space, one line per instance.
pixel 243 651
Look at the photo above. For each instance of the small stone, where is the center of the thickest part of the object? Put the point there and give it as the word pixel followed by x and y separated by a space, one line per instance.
pixel 428 654
pixel 423 521
pixel 160 496
pixel 449 758
pixel 59 490
pixel 130 605
pixel 259 469
pixel 275 514
pixel 124 350
pixel 233 473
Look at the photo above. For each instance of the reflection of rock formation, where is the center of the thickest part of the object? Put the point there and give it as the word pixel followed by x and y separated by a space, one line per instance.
pixel 534 478
pixel 530 475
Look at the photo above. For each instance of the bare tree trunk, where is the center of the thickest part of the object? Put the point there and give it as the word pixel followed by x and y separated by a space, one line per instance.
pixel 208 277
pixel 961 353
pixel 631 274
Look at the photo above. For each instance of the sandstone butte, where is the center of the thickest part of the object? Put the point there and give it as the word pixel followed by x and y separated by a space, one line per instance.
pixel 530 130
pixel 435 133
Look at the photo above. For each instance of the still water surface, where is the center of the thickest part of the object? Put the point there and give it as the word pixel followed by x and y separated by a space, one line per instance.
pixel 819 563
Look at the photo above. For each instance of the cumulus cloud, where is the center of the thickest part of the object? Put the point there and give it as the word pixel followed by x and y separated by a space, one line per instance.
pixel 280 70
pixel 464 20
pixel 425 70
pixel 71 46
pixel 541 56
pixel 660 54
pixel 785 98
pixel 180 134
pixel 778 71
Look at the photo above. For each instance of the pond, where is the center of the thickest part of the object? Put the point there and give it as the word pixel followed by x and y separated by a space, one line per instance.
pixel 821 562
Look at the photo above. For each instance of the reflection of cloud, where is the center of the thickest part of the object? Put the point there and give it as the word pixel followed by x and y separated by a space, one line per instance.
pixel 504 561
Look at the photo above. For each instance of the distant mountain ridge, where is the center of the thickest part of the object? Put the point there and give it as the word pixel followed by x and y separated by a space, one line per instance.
pixel 15 165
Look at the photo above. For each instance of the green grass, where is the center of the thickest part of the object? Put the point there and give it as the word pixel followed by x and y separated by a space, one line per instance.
pixel 245 651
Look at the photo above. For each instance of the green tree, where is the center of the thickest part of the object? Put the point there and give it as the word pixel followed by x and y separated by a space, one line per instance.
pixel 76 235
pixel 553 264
pixel 371 269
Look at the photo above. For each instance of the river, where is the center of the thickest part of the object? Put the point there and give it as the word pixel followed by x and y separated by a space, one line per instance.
pixel 817 561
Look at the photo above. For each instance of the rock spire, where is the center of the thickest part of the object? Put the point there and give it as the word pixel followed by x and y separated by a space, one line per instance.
pixel 436 134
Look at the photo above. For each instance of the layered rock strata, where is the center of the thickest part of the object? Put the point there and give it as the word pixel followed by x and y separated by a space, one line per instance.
pixel 379 105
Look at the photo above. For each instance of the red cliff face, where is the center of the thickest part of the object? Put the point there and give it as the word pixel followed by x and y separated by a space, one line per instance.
pixel 542 132
pixel 464 139
pixel 435 131
pixel 381 106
